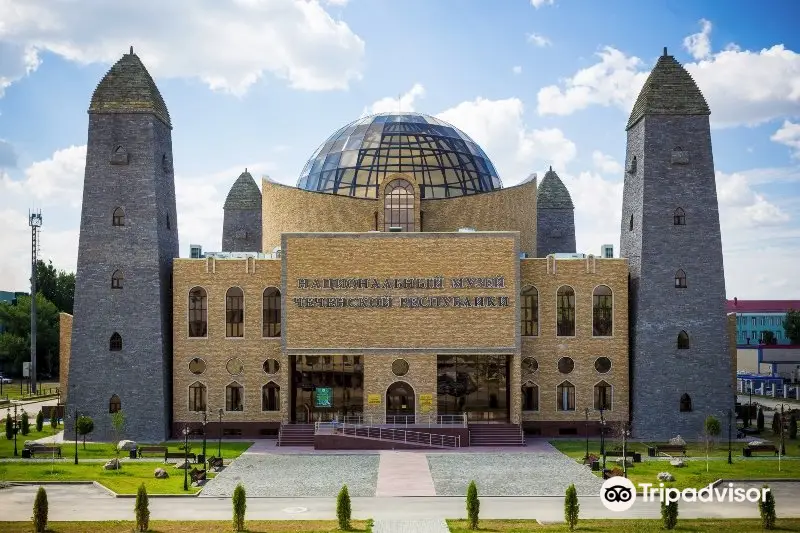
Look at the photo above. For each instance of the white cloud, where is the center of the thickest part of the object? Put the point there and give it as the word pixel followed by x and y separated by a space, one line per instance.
pixel 516 69
pixel 404 102
pixel 539 3
pixel 8 155
pixel 699 44
pixel 228 45
pixel 539 40
pixel 789 135
pixel 605 163
pixel 15 62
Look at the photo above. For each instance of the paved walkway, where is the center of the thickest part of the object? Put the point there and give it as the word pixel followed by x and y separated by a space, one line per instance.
pixel 404 474
pixel 410 526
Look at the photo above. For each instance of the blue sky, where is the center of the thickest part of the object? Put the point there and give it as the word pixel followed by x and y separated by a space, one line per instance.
pixel 261 83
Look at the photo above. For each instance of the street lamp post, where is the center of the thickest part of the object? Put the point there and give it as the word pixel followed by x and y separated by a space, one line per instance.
pixel 603 440
pixel 586 430
pixel 205 421
pixel 186 458
pixel 730 459
pixel 625 434
pixel 219 443
pixel 76 435
pixel 781 449
pixel 15 427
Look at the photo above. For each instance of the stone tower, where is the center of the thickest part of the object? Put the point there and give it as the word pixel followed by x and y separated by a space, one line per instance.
pixel 680 364
pixel 241 225
pixel 555 217
pixel 122 329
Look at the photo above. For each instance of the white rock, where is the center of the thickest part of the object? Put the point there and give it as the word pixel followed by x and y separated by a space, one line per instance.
pixel 677 441
pixel 160 473
pixel 199 483
pixel 677 463
pixel 126 445
pixel 665 476
pixel 113 464
pixel 183 465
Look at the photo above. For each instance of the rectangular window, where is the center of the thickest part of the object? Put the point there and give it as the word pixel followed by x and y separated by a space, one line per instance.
pixel 233 398
pixel 197 398
pixel 566 397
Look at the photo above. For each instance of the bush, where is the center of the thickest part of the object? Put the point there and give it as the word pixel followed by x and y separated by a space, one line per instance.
pixel 26 423
pixel 792 427
pixel 40 511
pixel 53 420
pixel 473 505
pixel 760 419
pixel 766 508
pixel 85 426
pixel 142 509
pixel 239 507
pixel 343 509
pixel 669 514
pixel 9 427
pixel 712 427
pixel 776 423
pixel 571 507
pixel 39 421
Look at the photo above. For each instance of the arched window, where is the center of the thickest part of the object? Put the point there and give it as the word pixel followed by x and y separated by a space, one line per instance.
pixel 114 404
pixel 530 397
pixel 680 279
pixel 566 396
pixel 683 340
pixel 234 312
pixel 198 312
pixel 234 397
pixel 197 396
pixel 116 279
pixel 398 206
pixel 530 312
pixel 686 403
pixel 566 312
pixel 679 218
pixel 602 311
pixel 630 224
pixel 270 397
pixel 118 217
pixel 602 396
pixel 271 312
pixel 115 343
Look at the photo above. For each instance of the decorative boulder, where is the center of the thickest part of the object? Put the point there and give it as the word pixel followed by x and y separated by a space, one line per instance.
pixel 126 445
pixel 113 464
pixel 678 463
pixel 182 465
pixel 30 444
pixel 665 476
pixel 677 441
pixel 756 442
pixel 160 473
pixel 198 483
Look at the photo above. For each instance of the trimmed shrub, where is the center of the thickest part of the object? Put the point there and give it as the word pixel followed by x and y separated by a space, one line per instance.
pixel 26 424
pixel 54 420
pixel 571 507
pixel 669 514
pixel 766 508
pixel 9 427
pixel 39 420
pixel 776 423
pixel 344 511
pixel 142 509
pixel 792 427
pixel 473 505
pixel 40 511
pixel 239 507
pixel 760 419
pixel 85 426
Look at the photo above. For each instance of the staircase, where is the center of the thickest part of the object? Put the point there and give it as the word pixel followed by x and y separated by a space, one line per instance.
pixel 496 435
pixel 296 435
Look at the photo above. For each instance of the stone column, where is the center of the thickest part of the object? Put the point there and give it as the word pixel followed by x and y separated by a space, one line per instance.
pixel 785 391
pixel 773 390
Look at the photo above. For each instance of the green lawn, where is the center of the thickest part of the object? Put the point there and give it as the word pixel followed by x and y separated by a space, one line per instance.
pixel 7 445
pixel 626 526
pixel 163 526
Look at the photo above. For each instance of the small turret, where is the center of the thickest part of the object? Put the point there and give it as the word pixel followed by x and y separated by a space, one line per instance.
pixel 241 225
pixel 555 217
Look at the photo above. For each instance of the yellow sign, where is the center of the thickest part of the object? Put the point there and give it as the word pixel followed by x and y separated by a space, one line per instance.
pixel 425 403
pixel 373 399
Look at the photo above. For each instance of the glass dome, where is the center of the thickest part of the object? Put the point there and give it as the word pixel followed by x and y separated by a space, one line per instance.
pixel 444 160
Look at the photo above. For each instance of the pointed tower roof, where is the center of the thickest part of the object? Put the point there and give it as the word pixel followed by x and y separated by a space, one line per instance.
pixel 669 90
pixel 128 88
pixel 552 193
pixel 244 193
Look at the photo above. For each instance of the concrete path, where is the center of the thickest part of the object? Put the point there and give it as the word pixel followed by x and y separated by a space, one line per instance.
pixel 404 474
pixel 410 526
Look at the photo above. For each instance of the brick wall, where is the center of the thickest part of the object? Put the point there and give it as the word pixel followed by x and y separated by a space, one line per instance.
pixel 64 346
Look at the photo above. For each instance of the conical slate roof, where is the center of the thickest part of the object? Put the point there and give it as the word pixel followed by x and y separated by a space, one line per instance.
pixel 244 193
pixel 669 90
pixel 552 193
pixel 128 88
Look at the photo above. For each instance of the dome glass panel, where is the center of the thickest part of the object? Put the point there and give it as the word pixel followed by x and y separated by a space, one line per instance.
pixel 444 160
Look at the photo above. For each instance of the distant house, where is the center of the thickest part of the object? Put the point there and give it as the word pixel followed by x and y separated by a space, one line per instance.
pixel 754 317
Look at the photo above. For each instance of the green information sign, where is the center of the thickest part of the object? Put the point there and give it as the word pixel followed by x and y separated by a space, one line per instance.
pixel 323 397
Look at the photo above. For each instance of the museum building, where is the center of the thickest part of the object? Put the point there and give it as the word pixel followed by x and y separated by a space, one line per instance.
pixel 399 283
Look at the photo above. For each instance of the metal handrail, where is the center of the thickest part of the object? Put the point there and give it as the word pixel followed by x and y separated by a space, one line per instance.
pixel 407 420
pixel 393 434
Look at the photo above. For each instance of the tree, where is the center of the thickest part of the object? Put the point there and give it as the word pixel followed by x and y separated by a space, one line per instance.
pixel 117 424
pixel 768 337
pixel 766 508
pixel 344 511
pixel 40 511
pixel 792 427
pixel 776 423
pixel 791 326
pixel 85 426
pixel 760 419
pixel 711 430
pixel 15 340
pixel 239 507
pixel 9 427
pixel 53 420
pixel 473 505
pixel 669 514
pixel 142 509
pixel 56 286
pixel 26 423
pixel 39 420
pixel 571 507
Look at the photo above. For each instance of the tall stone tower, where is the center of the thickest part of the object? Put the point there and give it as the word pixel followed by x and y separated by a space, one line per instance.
pixel 555 217
pixel 680 364
pixel 241 224
pixel 122 328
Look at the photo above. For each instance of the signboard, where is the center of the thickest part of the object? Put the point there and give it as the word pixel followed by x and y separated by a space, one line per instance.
pixel 373 399
pixel 323 397
pixel 425 403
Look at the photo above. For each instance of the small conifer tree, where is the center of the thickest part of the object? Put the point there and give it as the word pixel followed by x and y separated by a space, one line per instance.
pixel 571 507
pixel 344 511
pixel 793 427
pixel 760 419
pixel 473 505
pixel 9 427
pixel 239 507
pixel 776 423
pixel 53 420
pixel 26 423
pixel 142 509
pixel 39 421
pixel 669 514
pixel 40 511
pixel 766 507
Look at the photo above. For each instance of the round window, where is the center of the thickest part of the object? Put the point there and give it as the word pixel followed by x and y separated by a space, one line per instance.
pixel 566 365
pixel 197 366
pixel 234 366
pixel 271 366
pixel 399 367
pixel 529 365
pixel 602 364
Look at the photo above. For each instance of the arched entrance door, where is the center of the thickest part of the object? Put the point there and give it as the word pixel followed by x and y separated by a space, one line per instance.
pixel 400 403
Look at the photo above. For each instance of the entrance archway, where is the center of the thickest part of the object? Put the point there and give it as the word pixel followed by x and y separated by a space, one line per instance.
pixel 400 403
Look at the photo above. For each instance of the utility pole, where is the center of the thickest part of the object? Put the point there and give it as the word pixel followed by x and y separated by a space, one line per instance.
pixel 35 222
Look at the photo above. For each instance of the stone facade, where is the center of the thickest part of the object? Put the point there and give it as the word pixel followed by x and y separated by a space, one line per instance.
pixel 64 346
pixel 241 223
pixel 555 232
